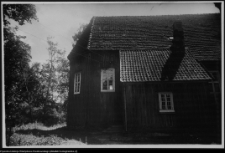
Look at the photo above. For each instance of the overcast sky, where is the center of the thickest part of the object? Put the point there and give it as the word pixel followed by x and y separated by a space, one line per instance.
pixel 62 20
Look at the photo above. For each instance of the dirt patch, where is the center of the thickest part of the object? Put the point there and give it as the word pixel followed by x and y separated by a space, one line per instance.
pixel 72 143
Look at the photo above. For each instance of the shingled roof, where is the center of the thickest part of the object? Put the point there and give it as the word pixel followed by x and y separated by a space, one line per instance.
pixel 147 65
pixel 202 33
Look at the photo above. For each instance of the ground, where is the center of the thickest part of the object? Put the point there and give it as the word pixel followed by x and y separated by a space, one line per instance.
pixel 37 135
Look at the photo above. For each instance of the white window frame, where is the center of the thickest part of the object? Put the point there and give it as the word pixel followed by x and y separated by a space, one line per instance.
pixel 77 83
pixel 166 106
pixel 104 76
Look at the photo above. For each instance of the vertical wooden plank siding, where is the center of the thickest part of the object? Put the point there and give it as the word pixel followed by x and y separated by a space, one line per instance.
pixel 190 102
pixel 92 107
pixel 101 109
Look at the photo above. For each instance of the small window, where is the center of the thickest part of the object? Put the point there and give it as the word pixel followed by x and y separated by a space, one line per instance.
pixel 166 102
pixel 77 83
pixel 108 80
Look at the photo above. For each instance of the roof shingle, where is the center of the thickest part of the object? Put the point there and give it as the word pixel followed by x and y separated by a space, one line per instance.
pixel 147 65
pixel 202 33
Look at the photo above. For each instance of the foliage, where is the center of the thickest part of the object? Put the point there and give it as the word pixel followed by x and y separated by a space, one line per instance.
pixel 19 12
pixel 53 79
pixel 218 5
pixel 57 71
pixel 16 58
pixel 62 70
pixel 29 90
pixel 79 32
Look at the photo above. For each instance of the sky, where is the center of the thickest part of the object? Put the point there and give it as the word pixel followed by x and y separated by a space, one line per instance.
pixel 62 20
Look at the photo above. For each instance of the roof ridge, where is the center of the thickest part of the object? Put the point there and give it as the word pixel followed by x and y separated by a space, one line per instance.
pixel 158 15
pixel 150 49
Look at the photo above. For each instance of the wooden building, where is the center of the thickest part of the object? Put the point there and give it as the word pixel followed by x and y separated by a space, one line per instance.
pixel 146 73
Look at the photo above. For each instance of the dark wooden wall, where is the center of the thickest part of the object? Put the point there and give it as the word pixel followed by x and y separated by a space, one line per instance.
pixel 213 68
pixel 191 104
pixel 92 107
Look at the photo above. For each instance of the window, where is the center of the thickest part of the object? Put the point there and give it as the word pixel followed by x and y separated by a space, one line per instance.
pixel 108 80
pixel 77 83
pixel 166 102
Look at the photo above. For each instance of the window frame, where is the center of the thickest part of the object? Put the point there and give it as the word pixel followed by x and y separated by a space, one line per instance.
pixel 76 82
pixel 101 81
pixel 166 105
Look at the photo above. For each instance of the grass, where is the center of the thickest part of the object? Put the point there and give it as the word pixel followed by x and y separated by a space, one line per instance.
pixel 36 134
pixel 38 126
pixel 31 140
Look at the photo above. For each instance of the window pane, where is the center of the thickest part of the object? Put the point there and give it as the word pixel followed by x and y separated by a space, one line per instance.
pixel 104 85
pixel 110 87
pixel 168 105
pixel 168 99
pixel 78 87
pixel 162 97
pixel 111 83
pixel 163 105
pixel 78 78
pixel 75 87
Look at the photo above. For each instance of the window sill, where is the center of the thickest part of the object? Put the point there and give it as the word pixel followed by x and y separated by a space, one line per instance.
pixel 76 93
pixel 167 111
pixel 107 90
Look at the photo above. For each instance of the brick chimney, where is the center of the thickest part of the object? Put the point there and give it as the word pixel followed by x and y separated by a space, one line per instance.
pixel 172 64
pixel 178 38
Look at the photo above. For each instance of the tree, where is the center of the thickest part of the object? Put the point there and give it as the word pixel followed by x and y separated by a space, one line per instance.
pixel 218 5
pixel 53 77
pixel 79 32
pixel 56 69
pixel 62 76
pixel 16 61
pixel 50 67
pixel 19 12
